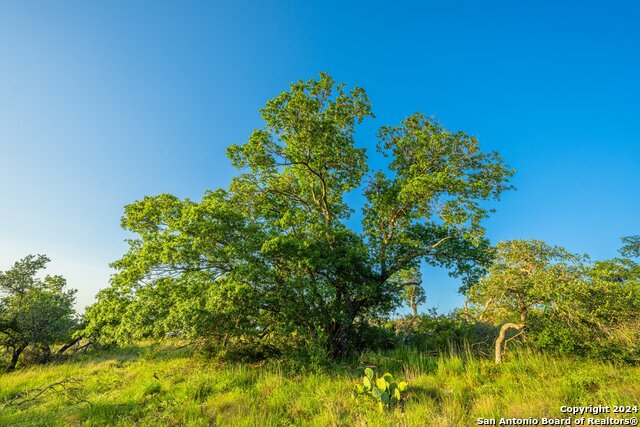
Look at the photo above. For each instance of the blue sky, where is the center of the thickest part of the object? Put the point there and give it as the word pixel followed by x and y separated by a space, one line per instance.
pixel 103 103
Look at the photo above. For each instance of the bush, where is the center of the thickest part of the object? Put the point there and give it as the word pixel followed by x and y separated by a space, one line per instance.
pixel 373 336
pixel 617 345
pixel 437 333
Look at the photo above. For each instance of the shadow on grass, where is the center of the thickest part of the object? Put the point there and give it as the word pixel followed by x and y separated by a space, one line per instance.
pixel 127 354
pixel 420 393
pixel 112 413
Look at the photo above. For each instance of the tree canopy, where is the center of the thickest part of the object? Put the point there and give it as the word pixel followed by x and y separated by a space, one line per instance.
pixel 272 259
pixel 33 311
pixel 566 302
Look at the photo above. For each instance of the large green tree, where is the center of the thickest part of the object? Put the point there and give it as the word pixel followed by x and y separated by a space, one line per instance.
pixel 33 311
pixel 273 255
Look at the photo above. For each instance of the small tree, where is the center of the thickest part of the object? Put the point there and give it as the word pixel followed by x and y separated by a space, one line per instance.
pixel 33 311
pixel 526 275
pixel 565 302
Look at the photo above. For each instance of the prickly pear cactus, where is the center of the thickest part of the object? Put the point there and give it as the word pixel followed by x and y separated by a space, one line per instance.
pixel 384 390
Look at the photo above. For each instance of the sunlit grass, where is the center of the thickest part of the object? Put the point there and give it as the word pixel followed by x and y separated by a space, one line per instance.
pixel 150 385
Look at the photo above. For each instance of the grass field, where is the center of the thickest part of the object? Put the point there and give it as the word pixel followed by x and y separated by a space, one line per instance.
pixel 152 385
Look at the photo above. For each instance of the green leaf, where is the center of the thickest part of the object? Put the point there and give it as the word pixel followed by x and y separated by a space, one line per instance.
pixel 392 387
pixel 381 383
pixel 385 398
pixel 376 392
pixel 388 377
pixel 402 386
pixel 396 394
pixel 367 383
pixel 369 373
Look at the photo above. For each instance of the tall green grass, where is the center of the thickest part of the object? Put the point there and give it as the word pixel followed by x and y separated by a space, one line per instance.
pixel 151 385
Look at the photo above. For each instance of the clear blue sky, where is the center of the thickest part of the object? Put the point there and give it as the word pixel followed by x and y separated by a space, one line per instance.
pixel 102 103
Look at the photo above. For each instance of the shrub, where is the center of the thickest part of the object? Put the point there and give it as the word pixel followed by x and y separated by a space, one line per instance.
pixel 437 333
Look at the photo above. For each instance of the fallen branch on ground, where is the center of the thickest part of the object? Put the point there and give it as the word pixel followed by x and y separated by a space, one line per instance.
pixel 69 387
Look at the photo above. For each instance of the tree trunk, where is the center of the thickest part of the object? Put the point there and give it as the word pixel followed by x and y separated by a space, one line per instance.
pixel 501 336
pixel 68 345
pixel 17 351
pixel 338 339
pixel 414 307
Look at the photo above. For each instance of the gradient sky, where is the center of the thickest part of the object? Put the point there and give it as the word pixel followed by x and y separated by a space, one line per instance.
pixel 102 103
